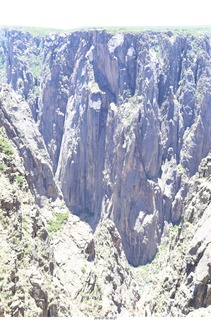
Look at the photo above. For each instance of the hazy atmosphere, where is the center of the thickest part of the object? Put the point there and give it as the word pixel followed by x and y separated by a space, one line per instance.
pixel 105 159
pixel 66 14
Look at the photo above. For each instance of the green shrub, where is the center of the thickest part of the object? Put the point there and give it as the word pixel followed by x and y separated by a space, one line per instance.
pixel 27 249
pixel 59 220
pixel 180 168
pixel 5 146
pixel 83 269
pixel 20 181
pixel 35 66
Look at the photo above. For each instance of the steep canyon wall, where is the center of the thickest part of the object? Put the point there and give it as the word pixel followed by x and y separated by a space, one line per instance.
pixel 125 118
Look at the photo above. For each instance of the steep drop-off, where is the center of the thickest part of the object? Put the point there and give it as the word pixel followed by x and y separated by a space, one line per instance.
pixel 125 119
pixel 183 280
pixel 51 263
pixel 115 125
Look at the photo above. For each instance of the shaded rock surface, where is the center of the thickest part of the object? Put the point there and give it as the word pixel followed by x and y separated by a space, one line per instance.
pixel 16 118
pixel 136 126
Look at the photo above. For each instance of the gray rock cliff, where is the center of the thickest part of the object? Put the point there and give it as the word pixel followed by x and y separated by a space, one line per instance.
pixel 16 118
pixel 182 284
pixel 51 263
pixel 134 128
pixel 125 119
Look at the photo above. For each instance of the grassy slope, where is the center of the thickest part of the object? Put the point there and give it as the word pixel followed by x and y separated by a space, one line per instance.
pixel 34 30
pixel 195 30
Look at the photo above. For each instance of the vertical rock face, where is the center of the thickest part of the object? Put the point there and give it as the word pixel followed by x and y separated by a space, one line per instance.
pixel 39 276
pixel 126 121
pixel 27 258
pixel 134 129
pixel 21 64
pixel 16 118
pixel 183 283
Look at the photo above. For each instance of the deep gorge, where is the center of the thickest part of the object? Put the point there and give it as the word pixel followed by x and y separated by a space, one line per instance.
pixel 124 118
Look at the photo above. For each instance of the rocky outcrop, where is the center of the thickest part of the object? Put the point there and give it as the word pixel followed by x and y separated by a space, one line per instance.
pixel 16 118
pixel 51 263
pixel 183 283
pixel 114 292
pixel 97 282
pixel 21 64
pixel 26 256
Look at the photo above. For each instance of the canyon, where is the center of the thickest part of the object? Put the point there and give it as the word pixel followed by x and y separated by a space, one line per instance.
pixel 105 161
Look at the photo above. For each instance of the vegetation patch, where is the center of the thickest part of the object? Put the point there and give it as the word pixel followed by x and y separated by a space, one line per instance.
pixel 145 273
pixel 20 180
pixel 180 168
pixel 5 147
pixel 27 249
pixel 60 219
pixel 176 30
pixel 36 31
pixel 35 65
pixel 83 269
